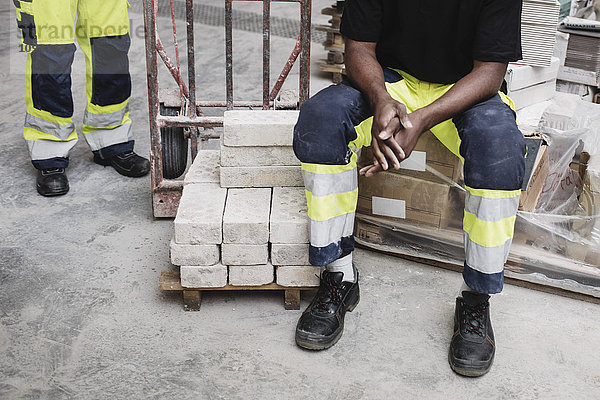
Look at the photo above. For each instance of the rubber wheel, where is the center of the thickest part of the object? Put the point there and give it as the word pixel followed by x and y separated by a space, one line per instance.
pixel 174 147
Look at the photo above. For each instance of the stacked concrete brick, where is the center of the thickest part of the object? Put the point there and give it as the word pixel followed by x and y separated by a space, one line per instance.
pixel 242 217
pixel 289 238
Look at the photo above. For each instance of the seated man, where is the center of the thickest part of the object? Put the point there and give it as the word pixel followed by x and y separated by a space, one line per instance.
pixel 415 66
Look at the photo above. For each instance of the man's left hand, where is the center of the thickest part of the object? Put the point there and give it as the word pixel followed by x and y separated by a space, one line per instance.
pixel 405 138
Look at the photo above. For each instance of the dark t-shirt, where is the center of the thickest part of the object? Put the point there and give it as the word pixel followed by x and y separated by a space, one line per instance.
pixel 436 40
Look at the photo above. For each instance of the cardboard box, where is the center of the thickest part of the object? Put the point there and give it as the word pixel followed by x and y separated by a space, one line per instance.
pixel 536 171
pixel 403 198
pixel 578 75
pixel 590 195
pixel 428 152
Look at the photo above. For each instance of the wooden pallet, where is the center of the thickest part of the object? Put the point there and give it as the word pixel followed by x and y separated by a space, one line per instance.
pixel 405 240
pixel 192 297
pixel 338 70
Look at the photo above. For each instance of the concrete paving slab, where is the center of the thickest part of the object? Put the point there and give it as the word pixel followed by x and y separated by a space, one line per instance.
pixel 244 254
pixel 251 275
pixel 203 276
pixel 297 275
pixel 257 156
pixel 246 218
pixel 289 254
pixel 259 127
pixel 194 254
pixel 200 214
pixel 289 218
pixel 269 176
pixel 205 168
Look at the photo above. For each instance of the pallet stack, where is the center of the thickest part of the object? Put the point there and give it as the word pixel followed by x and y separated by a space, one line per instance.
pixel 242 221
pixel 334 45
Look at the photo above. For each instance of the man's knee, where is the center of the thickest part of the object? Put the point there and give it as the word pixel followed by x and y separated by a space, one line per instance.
pixel 325 126
pixel 492 146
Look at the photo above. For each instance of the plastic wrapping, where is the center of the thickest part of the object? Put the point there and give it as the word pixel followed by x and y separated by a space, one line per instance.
pixel 557 245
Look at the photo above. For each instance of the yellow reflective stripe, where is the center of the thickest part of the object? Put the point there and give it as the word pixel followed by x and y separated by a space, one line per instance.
pixel 26 7
pixel 488 233
pixel 34 134
pixel 507 100
pixel 329 169
pixel 494 194
pixel 96 109
pixel 333 205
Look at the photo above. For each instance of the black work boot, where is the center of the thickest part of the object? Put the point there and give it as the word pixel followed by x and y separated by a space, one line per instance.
pixel 52 182
pixel 472 347
pixel 322 323
pixel 128 164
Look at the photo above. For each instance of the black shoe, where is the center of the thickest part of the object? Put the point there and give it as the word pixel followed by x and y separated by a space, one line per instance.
pixel 322 323
pixel 52 182
pixel 472 347
pixel 128 164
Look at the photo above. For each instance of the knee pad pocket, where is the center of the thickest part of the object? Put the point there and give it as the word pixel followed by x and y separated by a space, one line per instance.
pixel 51 78
pixel 111 82
pixel 492 146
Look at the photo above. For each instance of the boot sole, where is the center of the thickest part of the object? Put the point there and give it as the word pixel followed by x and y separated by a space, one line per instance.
pixel 311 342
pixel 467 369
pixel 53 193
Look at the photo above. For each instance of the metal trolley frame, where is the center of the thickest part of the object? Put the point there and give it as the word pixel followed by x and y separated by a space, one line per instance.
pixel 166 193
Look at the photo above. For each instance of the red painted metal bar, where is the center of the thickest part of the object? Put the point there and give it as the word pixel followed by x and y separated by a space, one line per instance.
pixel 286 69
pixel 176 45
pixel 305 15
pixel 166 193
pixel 152 77
pixel 173 69
pixel 189 122
pixel 189 17
pixel 266 52
pixel 229 52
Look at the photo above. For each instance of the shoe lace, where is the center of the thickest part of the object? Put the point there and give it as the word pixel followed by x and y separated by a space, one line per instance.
pixel 328 293
pixel 473 318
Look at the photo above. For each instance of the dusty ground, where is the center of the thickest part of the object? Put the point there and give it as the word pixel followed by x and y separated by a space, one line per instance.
pixel 81 316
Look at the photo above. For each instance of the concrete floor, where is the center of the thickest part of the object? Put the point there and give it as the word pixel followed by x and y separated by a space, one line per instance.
pixel 81 316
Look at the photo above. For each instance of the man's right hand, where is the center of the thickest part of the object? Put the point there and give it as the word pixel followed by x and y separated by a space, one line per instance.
pixel 389 118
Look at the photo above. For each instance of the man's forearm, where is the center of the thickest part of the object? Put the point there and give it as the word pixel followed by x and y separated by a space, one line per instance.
pixel 480 84
pixel 364 70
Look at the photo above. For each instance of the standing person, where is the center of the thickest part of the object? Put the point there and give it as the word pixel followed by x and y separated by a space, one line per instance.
pixel 48 31
pixel 415 66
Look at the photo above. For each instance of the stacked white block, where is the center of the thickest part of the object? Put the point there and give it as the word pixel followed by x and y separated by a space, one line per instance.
pixel 242 219
pixel 245 247
pixel 198 235
pixel 289 238
pixel 256 150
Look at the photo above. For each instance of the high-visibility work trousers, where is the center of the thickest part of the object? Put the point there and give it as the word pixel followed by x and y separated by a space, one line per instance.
pixel 337 121
pixel 49 29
